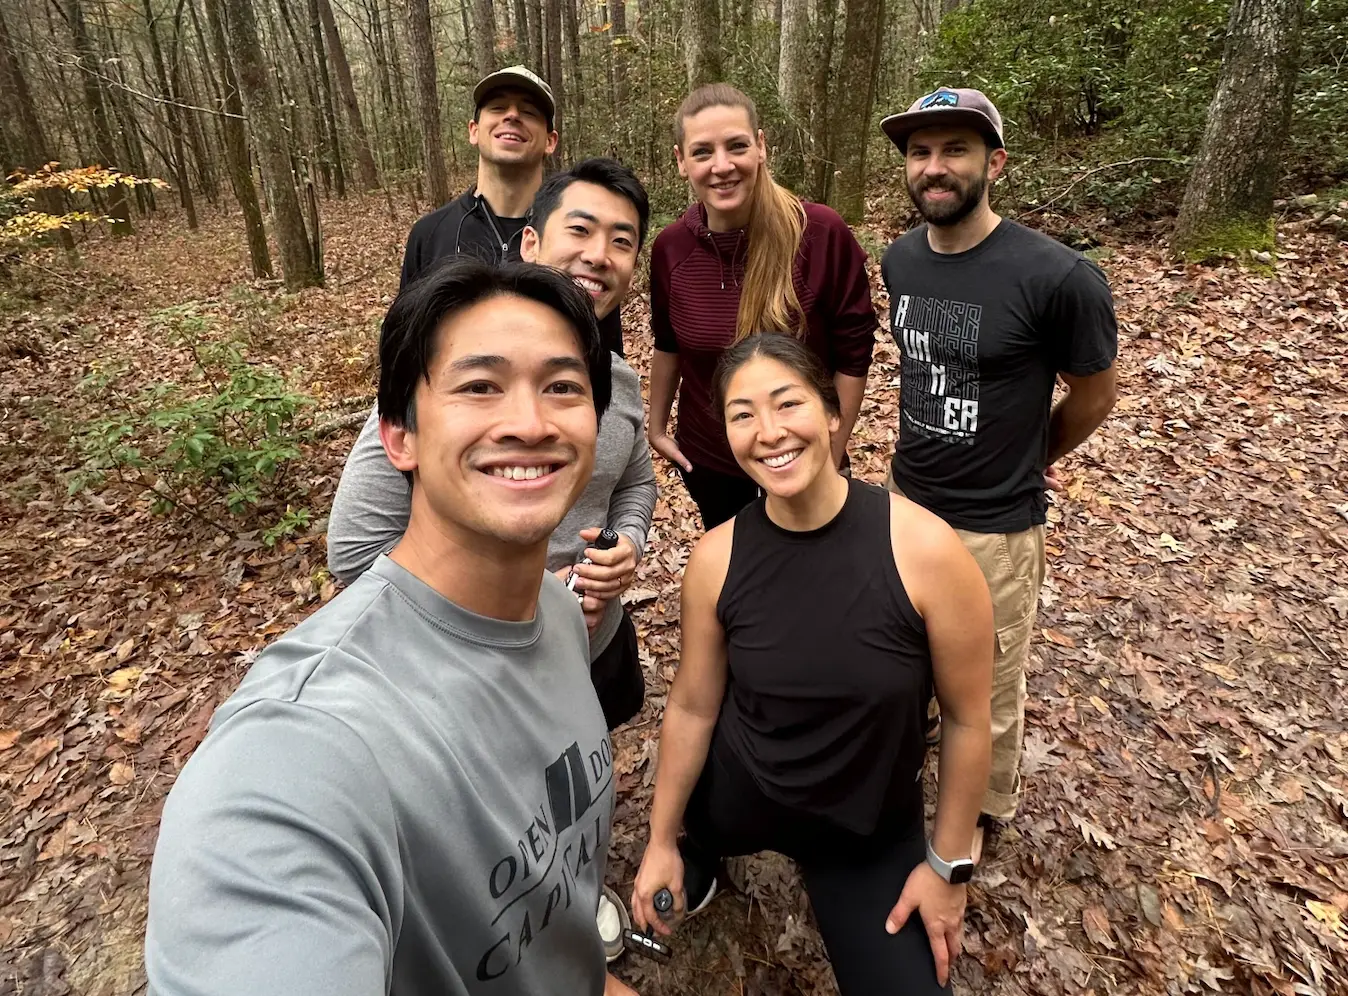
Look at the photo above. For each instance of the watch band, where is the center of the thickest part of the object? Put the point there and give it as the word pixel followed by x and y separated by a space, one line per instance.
pixel 955 872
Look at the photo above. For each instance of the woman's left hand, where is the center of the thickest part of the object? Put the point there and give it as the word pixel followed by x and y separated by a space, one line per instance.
pixel 610 572
pixel 941 906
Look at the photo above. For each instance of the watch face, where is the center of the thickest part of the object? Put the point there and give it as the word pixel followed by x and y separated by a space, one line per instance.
pixel 961 872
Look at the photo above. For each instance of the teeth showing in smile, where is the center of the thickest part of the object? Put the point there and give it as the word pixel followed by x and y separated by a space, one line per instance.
pixel 778 462
pixel 586 284
pixel 522 473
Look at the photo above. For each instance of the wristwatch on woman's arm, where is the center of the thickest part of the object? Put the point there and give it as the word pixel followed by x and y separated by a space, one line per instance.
pixel 955 872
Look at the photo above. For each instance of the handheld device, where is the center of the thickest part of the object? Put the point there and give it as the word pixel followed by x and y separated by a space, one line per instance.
pixel 648 944
pixel 606 540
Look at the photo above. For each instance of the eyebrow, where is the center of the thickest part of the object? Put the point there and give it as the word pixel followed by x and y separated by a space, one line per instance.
pixel 775 393
pixel 492 361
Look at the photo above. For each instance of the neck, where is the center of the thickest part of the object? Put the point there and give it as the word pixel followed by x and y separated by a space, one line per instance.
pixel 816 506
pixel 508 190
pixel 492 579
pixel 966 234
pixel 719 222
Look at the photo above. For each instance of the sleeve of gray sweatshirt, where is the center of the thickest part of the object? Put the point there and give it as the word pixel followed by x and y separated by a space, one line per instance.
pixel 371 508
pixel 632 505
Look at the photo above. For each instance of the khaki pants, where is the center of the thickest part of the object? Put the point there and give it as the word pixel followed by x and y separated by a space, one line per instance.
pixel 1013 564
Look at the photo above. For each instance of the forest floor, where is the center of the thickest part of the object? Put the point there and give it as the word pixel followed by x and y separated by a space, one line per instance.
pixel 1185 821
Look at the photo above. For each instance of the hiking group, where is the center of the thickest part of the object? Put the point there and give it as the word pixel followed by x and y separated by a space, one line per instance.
pixel 412 791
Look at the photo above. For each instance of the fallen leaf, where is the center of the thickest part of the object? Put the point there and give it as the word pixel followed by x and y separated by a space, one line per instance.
pixel 124 649
pixel 8 738
pixel 1061 639
pixel 121 774
pixel 1092 833
pixel 121 680
pixel 1150 901
pixel 1095 921
pixel 1101 706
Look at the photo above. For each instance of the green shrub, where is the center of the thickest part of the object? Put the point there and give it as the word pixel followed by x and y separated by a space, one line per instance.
pixel 223 439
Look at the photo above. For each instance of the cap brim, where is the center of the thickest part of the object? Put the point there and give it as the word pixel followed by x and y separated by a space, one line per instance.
pixel 899 126
pixel 506 80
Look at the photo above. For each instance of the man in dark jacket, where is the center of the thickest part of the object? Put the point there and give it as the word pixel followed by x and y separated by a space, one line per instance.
pixel 512 129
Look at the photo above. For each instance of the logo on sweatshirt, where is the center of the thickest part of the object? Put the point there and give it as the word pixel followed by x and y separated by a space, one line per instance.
pixel 538 880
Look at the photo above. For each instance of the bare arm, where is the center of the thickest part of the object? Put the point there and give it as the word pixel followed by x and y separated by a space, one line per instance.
pixel 850 392
pixel 1089 401
pixel 690 717
pixel 664 382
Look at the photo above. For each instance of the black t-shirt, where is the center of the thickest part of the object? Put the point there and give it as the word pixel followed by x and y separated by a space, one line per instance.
pixel 983 334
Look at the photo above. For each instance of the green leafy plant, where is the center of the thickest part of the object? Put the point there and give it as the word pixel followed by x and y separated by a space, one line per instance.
pixel 223 439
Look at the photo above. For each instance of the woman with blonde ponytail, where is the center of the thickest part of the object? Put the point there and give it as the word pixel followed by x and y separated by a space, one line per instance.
pixel 747 257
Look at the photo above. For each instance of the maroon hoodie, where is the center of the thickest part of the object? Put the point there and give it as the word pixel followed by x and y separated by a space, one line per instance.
pixel 695 297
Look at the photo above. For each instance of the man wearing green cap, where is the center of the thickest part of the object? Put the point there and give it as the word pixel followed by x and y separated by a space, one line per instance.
pixel 513 113
pixel 988 315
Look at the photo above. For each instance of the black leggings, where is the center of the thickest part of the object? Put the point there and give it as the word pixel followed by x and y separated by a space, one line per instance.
pixel 717 496
pixel 617 677
pixel 853 881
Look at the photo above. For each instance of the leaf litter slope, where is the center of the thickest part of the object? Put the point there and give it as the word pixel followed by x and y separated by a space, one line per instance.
pixel 1185 823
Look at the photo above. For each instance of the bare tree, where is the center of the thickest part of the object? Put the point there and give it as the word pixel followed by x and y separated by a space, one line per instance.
pixel 325 93
pixel 484 37
pixel 702 41
pixel 171 109
pixel 852 131
pixel 552 15
pixel 298 264
pixel 793 86
pixel 1228 204
pixel 236 145
pixel 428 99
pixel 369 176
pixel 820 145
pixel 91 79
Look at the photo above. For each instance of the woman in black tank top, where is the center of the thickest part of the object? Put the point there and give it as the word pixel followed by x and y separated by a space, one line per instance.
pixel 816 625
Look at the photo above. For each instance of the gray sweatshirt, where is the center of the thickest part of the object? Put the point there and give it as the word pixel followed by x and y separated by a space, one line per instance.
pixel 373 501
pixel 402 797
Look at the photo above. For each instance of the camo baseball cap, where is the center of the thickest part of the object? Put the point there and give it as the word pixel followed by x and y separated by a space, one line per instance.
pixel 517 78
pixel 943 107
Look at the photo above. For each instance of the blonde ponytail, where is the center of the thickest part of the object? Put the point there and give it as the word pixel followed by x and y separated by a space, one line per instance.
pixel 768 298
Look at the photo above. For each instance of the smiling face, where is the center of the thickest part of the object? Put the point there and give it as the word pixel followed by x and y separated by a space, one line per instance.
pixel 511 129
pixel 719 156
pixel 779 427
pixel 591 235
pixel 505 425
pixel 948 171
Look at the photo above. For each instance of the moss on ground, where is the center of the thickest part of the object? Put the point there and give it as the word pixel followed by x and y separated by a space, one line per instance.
pixel 1240 238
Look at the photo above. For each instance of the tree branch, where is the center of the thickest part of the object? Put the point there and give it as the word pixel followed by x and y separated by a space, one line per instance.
pixel 1091 172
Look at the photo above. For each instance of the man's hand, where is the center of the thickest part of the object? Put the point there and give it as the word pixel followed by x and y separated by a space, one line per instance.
pixel 941 906
pixel 613 986
pixel 611 571
pixel 661 868
pixel 1053 479
pixel 663 444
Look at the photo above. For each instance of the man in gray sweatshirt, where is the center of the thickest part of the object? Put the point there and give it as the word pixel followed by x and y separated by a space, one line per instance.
pixel 589 221
pixel 411 792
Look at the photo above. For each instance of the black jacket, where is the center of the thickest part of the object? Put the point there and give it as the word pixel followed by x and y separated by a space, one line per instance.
pixel 467 225
pixel 464 225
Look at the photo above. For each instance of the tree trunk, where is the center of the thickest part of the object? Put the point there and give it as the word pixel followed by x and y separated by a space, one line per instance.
pixel 28 141
pixel 369 176
pixel 553 58
pixel 575 82
pixel 793 86
pixel 320 148
pixel 236 146
pixel 428 96
pixel 521 31
pixel 1228 204
pixel 297 262
pixel 535 60
pixel 325 91
pixel 702 44
pixel 621 43
pixel 175 126
pixel 105 147
pixel 863 30
pixel 484 37
pixel 820 155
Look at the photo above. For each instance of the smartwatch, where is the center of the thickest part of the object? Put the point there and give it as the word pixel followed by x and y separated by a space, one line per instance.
pixel 955 872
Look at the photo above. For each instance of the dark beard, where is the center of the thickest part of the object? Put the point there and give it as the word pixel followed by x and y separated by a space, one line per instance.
pixel 946 215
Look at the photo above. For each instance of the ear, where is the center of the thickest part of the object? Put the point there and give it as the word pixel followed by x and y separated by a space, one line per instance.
pixel 529 241
pixel 400 444
pixel 678 158
pixel 472 133
pixel 552 143
pixel 762 146
pixel 996 164
pixel 834 423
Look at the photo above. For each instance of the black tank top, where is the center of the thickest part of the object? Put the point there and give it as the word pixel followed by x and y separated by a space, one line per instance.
pixel 829 667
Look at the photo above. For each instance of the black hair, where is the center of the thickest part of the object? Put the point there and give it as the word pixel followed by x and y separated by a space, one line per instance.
pixel 787 350
pixel 610 174
pixel 410 334
pixel 518 88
